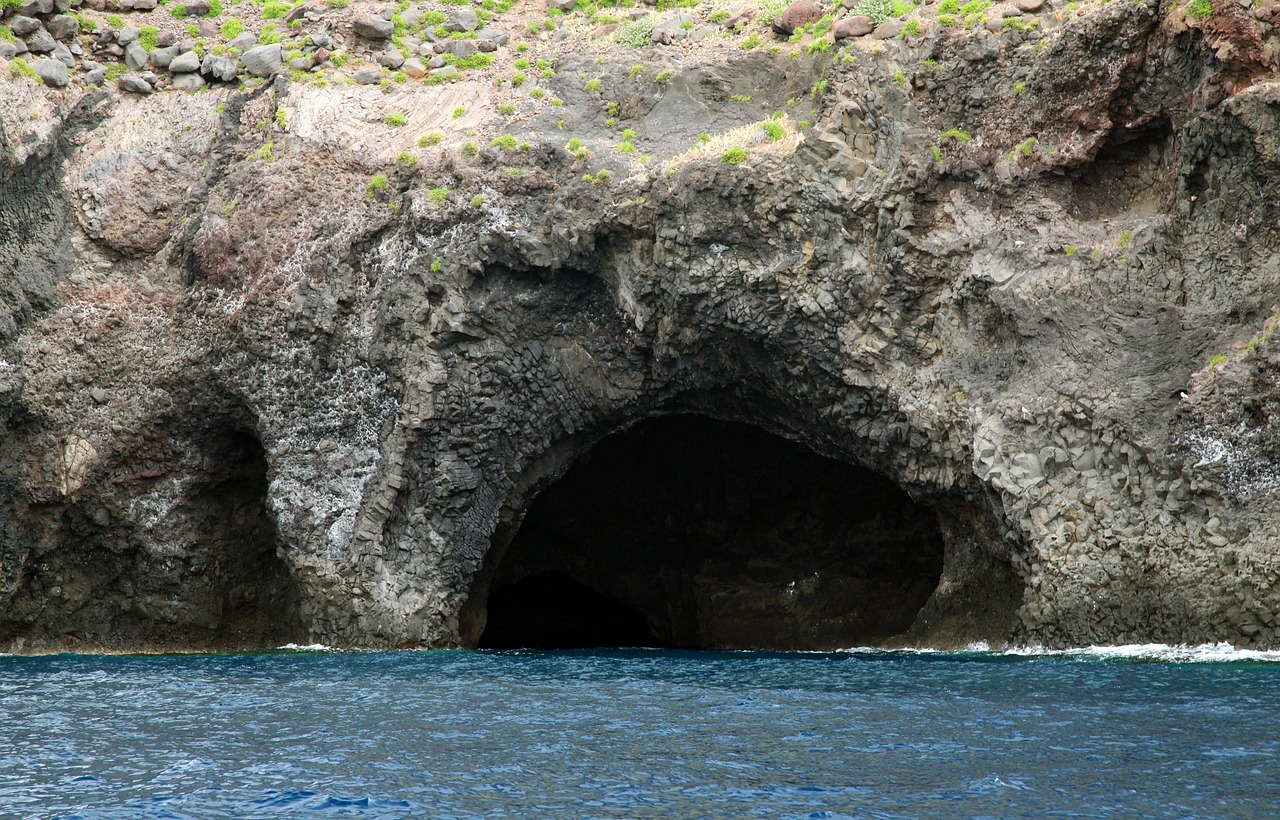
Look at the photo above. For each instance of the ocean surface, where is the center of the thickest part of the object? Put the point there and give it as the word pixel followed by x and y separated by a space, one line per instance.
pixel 1128 732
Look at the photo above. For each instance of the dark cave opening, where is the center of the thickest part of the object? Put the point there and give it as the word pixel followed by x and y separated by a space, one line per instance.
pixel 685 532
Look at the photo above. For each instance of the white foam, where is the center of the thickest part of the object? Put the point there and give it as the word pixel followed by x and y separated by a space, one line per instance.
pixel 1168 653
pixel 311 647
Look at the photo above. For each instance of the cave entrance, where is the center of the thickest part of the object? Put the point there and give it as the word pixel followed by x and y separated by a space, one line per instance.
pixel 689 532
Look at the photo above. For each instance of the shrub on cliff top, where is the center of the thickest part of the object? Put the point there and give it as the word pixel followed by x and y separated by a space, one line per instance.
pixel 1199 9
pixel 734 156
pixel 877 10
pixel 637 34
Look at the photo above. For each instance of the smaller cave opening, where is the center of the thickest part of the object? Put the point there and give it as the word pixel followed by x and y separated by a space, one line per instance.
pixel 1129 175
pixel 687 532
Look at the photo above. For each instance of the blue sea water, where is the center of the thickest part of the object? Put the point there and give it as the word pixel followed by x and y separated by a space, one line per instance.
pixel 640 734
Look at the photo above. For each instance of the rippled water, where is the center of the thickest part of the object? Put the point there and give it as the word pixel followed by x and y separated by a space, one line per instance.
pixel 640 734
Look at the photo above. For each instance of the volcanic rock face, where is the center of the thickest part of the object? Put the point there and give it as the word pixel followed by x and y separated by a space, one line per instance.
pixel 986 316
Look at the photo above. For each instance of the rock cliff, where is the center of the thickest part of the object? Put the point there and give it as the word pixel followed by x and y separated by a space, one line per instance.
pixel 798 326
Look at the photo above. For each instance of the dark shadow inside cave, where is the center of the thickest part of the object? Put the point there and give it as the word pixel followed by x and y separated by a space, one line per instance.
pixel 249 593
pixel 688 532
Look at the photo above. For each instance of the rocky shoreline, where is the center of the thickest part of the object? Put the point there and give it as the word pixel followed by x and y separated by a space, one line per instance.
pixel 299 321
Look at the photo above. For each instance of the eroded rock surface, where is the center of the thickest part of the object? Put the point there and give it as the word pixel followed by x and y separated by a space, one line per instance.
pixel 292 361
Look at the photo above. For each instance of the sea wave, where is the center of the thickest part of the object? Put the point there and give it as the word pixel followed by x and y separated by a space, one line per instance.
pixel 311 647
pixel 1169 653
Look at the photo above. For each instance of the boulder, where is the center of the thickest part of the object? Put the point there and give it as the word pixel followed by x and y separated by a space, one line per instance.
pixel 1029 5
pixel 40 42
pixel 186 63
pixel 197 8
pixel 97 76
pixel 218 68
pixel 302 64
pixel 373 27
pixel 63 27
pixel 163 57
pixel 799 13
pixel 414 68
pixel 368 76
pixel 486 46
pixel 243 42
pixel 7 50
pixel 497 36
pixel 320 39
pixel 671 28
pixel 447 71
pixel 887 30
pixel 463 19
pixel 32 8
pixel 134 85
pixel 52 73
pixel 263 61
pixel 144 5
pixel 127 35
pixel 462 49
pixel 135 56
pixel 391 59
pixel 563 5
pixel 436 62
pixel 859 25
pixel 188 82
pixel 63 55
pixel 23 25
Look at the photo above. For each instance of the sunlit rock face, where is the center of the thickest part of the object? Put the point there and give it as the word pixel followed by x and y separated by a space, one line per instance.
pixel 982 351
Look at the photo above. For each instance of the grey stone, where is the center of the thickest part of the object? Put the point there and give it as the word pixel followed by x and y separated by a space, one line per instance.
pixel 462 19
pixel 188 82
pixel 887 30
pixel 23 25
pixel 144 5
pixel 447 71
pixel 671 28
pixel 163 57
pixel 97 76
pixel 320 39
pixel 52 73
pixel 185 63
pixel 63 27
pixel 487 46
pixel 263 61
pixel 436 62
pixel 368 76
pixel 39 42
pixel 462 49
pixel 414 68
pixel 8 50
pixel 391 59
pixel 197 8
pixel 563 5
pixel 63 55
pixel 168 39
pixel 373 27
pixel 243 41
pixel 127 35
pixel 135 56
pixel 1029 5
pixel 497 36
pixel 218 68
pixel 134 85
pixel 302 64
pixel 98 395
pixel 32 8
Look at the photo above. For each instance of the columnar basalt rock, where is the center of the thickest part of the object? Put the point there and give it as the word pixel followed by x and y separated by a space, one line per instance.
pixel 293 362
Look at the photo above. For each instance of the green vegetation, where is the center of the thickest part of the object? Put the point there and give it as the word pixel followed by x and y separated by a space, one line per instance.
pixel 741 98
pixel 149 37
pixel 595 84
pixel 752 40
pixel 637 69
pixel 505 142
pixel 215 9
pixel 575 145
pixel 273 10
pixel 1022 149
pixel 518 79
pixel 625 147
pixel 664 76
pixel 394 119
pixel 376 184
pixel 911 28
pixel 1072 250
pixel 435 266
pixel 774 131
pixel 1199 9
pixel 282 119
pixel 877 10
pixel 231 28
pixel 600 177
pixel 637 34
pixel 407 159
pixel 115 21
pixel 458 112
pixel 734 156
pixel 956 135
pixel 900 79
pixel 19 66
pixel 522 62
pixel 1216 361
pixel 1125 238
pixel 506 109
pixel 1019 87
pixel 438 196
pixel 477 200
